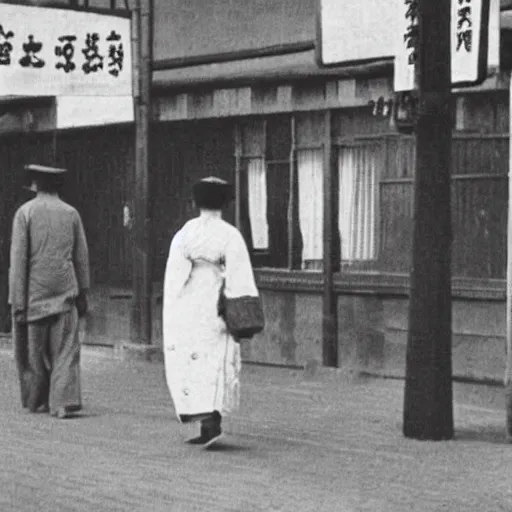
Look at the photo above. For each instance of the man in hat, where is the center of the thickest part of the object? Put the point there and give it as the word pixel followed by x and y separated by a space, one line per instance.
pixel 48 280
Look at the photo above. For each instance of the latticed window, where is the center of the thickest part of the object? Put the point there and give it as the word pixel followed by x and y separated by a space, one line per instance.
pixel 281 171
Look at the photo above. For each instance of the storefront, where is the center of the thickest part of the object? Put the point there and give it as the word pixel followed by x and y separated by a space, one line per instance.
pixel 275 150
pixel 278 126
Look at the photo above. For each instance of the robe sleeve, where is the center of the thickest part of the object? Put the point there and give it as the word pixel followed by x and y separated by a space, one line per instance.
pixel 81 256
pixel 18 271
pixel 239 275
pixel 177 269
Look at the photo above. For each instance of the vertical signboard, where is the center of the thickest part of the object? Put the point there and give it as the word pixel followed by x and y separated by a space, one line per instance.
pixel 354 31
pixel 366 30
pixel 474 42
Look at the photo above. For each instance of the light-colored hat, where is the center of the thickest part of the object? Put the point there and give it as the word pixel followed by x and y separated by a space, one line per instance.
pixel 44 169
pixel 214 179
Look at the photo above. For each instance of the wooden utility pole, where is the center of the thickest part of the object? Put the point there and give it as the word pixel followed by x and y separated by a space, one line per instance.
pixel 142 227
pixel 508 369
pixel 428 407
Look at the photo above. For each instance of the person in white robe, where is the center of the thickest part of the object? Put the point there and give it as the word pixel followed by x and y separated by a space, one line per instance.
pixel 202 359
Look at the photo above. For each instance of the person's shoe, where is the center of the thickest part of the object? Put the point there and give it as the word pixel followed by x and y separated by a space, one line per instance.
pixel 213 435
pixel 197 440
pixel 40 409
pixel 61 413
pixel 202 438
pixel 43 408
pixel 209 435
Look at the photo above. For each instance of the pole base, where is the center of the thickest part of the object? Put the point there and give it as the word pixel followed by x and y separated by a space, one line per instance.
pixel 5 340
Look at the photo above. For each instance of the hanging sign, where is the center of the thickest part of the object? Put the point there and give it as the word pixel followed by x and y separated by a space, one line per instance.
pixel 474 30
pixel 354 31
pixel 350 31
pixel 80 111
pixel 63 52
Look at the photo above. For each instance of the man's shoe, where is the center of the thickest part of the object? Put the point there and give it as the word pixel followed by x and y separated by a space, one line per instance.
pixel 41 409
pixel 61 413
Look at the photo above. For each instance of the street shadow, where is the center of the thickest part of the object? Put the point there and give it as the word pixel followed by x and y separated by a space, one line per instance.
pixel 78 416
pixel 228 448
pixel 491 434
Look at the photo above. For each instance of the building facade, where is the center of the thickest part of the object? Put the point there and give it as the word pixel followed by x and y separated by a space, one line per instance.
pixel 238 93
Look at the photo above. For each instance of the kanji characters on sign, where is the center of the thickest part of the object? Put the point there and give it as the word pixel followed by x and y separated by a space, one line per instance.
pixel 115 53
pixel 93 60
pixel 31 49
pixel 65 52
pixel 412 33
pixel 61 52
pixel 5 46
pixel 464 26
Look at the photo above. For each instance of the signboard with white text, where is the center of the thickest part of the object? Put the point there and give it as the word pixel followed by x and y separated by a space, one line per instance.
pixel 351 32
pixel 81 111
pixel 354 31
pixel 474 42
pixel 64 52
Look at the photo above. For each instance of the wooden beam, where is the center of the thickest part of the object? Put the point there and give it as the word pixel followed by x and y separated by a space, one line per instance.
pixel 271 74
pixel 329 304
pixel 142 248
pixel 508 364
pixel 292 199
pixel 238 156
pixel 244 54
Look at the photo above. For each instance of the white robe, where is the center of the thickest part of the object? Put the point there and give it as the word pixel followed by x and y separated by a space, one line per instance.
pixel 202 360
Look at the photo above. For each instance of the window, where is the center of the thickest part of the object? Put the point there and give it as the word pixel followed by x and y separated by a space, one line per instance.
pixel 309 155
pixel 357 166
pixel 280 165
pixel 363 160
pixel 263 166
pixel 257 202
pixel 311 206
pixel 281 169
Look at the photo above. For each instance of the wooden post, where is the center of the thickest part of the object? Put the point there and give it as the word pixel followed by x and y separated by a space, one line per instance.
pixel 54 143
pixel 238 157
pixel 292 198
pixel 329 306
pixel 142 248
pixel 428 407
pixel 508 369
